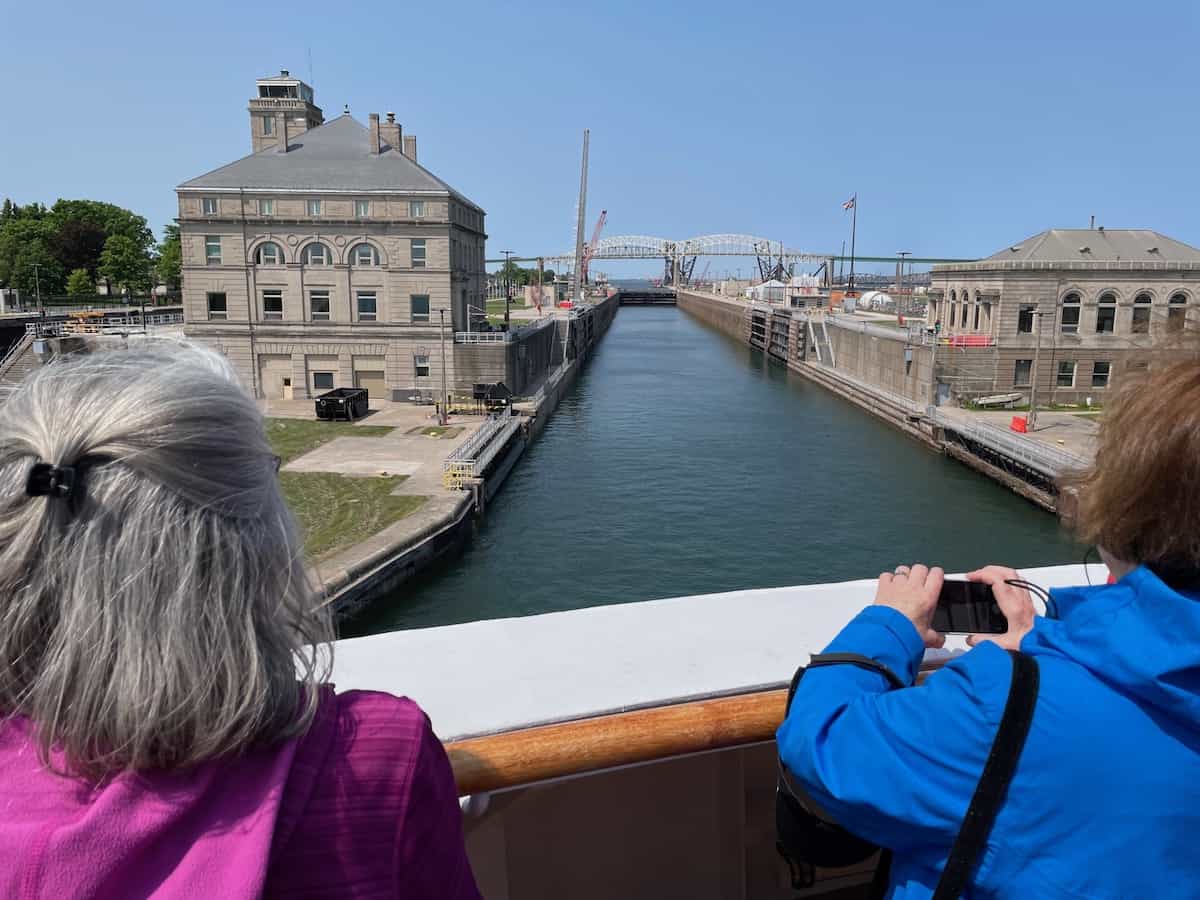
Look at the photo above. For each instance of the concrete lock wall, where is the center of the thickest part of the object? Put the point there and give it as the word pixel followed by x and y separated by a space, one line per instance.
pixel 891 364
pixel 722 314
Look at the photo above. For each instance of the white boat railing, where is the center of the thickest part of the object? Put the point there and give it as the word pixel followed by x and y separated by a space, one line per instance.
pixel 110 325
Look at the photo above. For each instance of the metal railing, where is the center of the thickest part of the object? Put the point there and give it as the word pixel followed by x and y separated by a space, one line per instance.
pixel 462 462
pixel 502 337
pixel 1035 455
pixel 16 350
pixel 110 325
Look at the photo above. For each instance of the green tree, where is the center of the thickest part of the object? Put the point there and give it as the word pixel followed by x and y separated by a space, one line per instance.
pixel 26 262
pixel 125 263
pixel 79 283
pixel 170 257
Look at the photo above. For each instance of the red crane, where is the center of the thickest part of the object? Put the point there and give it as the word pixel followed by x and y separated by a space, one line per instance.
pixel 592 244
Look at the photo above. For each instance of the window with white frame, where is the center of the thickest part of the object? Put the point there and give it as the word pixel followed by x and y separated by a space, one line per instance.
pixel 268 254
pixel 416 209
pixel 218 306
pixel 421 365
pixel 364 255
pixel 313 207
pixel 316 254
pixel 1177 311
pixel 362 208
pixel 1069 323
pixel 318 306
pixel 212 250
pixel 266 206
pixel 1106 313
pixel 367 308
pixel 1021 370
pixel 208 206
pixel 1141 313
pixel 272 304
pixel 418 253
pixel 1100 373
pixel 322 381
pixel 268 123
pixel 1025 319
pixel 1066 373
pixel 420 307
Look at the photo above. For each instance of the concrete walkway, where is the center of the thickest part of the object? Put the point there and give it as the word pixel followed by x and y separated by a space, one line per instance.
pixel 1073 433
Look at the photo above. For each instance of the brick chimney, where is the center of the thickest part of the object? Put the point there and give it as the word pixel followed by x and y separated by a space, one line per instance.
pixel 410 146
pixel 281 132
pixel 374 120
pixel 389 131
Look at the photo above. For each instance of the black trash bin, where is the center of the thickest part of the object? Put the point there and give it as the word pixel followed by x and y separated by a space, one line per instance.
pixel 342 403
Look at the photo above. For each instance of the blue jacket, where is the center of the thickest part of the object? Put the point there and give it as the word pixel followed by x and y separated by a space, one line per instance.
pixel 1106 798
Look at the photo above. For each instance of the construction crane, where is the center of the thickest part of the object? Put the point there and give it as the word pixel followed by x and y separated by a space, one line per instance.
pixel 592 245
pixel 703 274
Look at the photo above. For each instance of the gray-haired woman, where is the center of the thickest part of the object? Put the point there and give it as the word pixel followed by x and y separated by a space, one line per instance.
pixel 165 728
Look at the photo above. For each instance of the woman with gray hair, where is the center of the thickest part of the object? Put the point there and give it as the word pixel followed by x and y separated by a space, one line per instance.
pixel 166 730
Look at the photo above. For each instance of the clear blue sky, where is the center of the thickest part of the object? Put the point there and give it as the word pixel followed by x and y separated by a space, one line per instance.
pixel 963 127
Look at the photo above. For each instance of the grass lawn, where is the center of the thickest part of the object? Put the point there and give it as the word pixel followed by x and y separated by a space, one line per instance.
pixel 295 437
pixel 337 511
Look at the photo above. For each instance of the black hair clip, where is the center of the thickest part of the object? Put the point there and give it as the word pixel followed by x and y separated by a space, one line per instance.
pixel 46 480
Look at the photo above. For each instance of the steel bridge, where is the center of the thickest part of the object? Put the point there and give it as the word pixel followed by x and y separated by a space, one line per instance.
pixel 775 260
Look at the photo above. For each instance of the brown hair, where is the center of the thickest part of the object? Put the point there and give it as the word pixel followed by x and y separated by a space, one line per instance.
pixel 1140 499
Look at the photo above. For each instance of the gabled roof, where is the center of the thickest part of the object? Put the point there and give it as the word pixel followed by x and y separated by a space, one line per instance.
pixel 331 157
pixel 1097 245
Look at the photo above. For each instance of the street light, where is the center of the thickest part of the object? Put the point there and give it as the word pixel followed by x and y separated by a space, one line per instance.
pixel 903 254
pixel 507 284
pixel 1031 419
pixel 445 395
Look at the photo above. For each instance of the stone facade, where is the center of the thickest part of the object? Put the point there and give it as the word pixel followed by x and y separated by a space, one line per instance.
pixel 1099 320
pixel 308 288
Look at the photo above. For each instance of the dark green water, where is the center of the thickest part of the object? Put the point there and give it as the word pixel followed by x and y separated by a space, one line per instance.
pixel 684 463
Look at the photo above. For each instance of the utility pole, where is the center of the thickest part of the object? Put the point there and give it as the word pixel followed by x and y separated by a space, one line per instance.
pixel 37 290
pixel 577 296
pixel 445 394
pixel 507 284
pixel 903 254
pixel 853 235
pixel 1031 419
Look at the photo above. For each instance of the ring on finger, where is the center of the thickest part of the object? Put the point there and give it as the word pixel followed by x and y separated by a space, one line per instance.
pixel 902 570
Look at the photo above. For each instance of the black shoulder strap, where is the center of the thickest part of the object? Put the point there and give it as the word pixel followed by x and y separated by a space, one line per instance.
pixel 993 784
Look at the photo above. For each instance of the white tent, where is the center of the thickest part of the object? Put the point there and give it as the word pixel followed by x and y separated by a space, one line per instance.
pixel 769 291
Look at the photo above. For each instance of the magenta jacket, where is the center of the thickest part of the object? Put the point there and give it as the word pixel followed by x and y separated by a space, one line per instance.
pixel 363 805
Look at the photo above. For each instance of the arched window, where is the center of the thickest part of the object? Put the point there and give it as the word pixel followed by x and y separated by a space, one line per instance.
pixel 364 255
pixel 1177 311
pixel 1141 313
pixel 268 254
pixel 1106 313
pixel 1069 320
pixel 316 254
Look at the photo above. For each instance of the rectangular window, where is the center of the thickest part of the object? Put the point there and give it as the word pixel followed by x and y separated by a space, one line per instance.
pixel 313 207
pixel 362 208
pixel 1066 373
pixel 268 125
pixel 322 381
pixel 318 304
pixel 418 254
pixel 1176 317
pixel 218 308
pixel 1100 372
pixel 420 307
pixel 416 209
pixel 1106 319
pixel 976 325
pixel 208 206
pixel 272 304
pixel 1070 318
pixel 212 250
pixel 366 306
pixel 1141 319
pixel 1021 372
pixel 1025 320
pixel 421 366
pixel 266 207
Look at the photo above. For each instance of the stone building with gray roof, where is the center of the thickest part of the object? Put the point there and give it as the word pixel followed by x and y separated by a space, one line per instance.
pixel 1108 301
pixel 329 257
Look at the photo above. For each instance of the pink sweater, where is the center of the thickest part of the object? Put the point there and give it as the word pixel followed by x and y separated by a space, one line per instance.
pixel 363 805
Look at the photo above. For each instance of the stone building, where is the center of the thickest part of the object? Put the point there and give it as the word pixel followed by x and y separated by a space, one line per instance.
pixel 330 257
pixel 1107 300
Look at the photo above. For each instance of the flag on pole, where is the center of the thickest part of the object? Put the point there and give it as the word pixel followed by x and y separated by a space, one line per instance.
pixel 849 204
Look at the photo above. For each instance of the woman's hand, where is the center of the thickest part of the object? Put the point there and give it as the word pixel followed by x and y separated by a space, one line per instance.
pixel 1013 601
pixel 913 591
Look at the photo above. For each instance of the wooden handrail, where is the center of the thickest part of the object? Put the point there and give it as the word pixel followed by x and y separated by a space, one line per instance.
pixel 529 755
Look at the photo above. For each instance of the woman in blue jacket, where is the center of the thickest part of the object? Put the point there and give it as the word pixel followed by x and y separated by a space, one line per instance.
pixel 1105 801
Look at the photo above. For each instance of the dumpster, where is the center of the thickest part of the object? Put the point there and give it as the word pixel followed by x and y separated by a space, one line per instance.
pixel 342 403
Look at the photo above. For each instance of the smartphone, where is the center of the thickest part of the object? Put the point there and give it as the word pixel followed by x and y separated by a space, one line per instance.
pixel 968 607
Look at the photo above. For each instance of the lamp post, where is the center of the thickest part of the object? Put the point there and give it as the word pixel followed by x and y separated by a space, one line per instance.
pixel 507 284
pixel 445 395
pixel 903 254
pixel 1031 419
pixel 37 290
